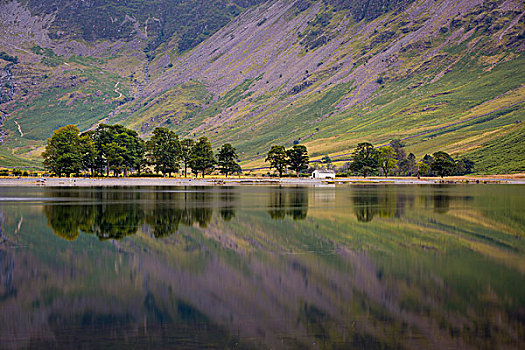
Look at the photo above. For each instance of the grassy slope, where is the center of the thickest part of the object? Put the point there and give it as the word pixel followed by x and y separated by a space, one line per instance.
pixel 77 91
pixel 458 109
pixel 510 148
pixel 441 92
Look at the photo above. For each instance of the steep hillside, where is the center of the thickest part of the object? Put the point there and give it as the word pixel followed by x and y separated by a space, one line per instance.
pixel 440 74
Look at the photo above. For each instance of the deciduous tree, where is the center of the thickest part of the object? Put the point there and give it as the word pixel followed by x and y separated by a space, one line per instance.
pixel 164 151
pixel 186 147
pixel 277 158
pixel 297 158
pixel 443 164
pixel 88 151
pixel 387 159
pixel 202 159
pixel 227 160
pixel 62 154
pixel 365 159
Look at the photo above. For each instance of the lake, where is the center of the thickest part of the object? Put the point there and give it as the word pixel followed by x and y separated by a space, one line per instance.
pixel 361 266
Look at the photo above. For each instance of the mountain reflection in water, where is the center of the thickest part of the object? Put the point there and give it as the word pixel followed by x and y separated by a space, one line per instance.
pixel 263 267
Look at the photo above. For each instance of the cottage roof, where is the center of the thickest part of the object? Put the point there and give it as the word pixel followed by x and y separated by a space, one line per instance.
pixel 325 171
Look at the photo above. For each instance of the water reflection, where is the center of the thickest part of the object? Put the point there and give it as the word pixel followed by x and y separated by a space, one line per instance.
pixel 228 275
pixel 227 206
pixel 376 201
pixel 115 214
pixel 285 201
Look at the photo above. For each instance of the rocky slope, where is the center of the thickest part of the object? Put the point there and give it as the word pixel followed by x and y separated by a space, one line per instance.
pixel 440 74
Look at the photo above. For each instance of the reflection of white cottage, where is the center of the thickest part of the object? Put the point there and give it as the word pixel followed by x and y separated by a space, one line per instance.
pixel 323 174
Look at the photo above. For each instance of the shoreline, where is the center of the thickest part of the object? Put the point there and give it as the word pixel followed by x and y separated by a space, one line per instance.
pixel 251 181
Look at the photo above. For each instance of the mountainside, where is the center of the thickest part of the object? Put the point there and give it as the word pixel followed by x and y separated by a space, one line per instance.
pixel 443 75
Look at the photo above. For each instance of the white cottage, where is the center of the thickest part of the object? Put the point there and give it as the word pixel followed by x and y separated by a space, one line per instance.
pixel 323 174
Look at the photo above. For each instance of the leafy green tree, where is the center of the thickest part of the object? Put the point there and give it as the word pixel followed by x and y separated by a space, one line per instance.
pixel 88 151
pixel 411 165
pixel 277 158
pixel 443 164
pixel 428 159
pixel 116 143
pixel 366 159
pixel 327 162
pixel 186 147
pixel 387 159
pixel 135 147
pixel 202 159
pixel 227 159
pixel 399 150
pixel 62 154
pixel 115 156
pixel 407 166
pixel 297 158
pixel 164 151
pixel 422 169
pixel 464 166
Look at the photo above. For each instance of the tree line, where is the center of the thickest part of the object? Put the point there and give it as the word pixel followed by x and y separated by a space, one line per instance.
pixel 392 160
pixel 369 160
pixel 295 159
pixel 119 150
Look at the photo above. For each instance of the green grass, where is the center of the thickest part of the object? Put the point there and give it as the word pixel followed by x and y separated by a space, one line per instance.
pixel 9 160
pixel 91 99
pixel 506 154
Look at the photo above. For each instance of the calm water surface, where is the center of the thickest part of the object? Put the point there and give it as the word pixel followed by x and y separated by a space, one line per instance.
pixel 386 267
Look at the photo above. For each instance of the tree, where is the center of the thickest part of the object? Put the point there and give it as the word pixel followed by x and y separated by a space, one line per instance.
pixel 134 146
pixel 443 164
pixel 186 147
pixel 327 162
pixel 422 169
pixel 115 143
pixel 88 151
pixel 115 156
pixel 387 159
pixel 227 159
pixel 428 159
pixel 297 158
pixel 407 166
pixel 398 147
pixel 277 158
pixel 202 159
pixel 464 166
pixel 411 164
pixel 62 154
pixel 164 151
pixel 365 159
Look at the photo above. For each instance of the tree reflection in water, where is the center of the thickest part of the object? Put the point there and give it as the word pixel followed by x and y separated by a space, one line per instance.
pixel 115 214
pixel 388 202
pixel 325 282
pixel 228 198
pixel 292 201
